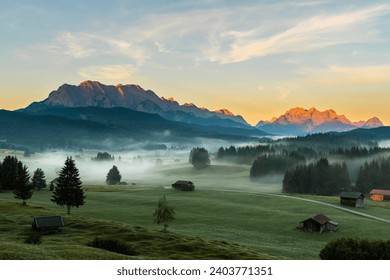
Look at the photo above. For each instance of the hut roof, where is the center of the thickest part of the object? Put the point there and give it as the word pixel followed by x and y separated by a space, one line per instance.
pixel 354 195
pixel 379 191
pixel 182 182
pixel 320 218
pixel 48 221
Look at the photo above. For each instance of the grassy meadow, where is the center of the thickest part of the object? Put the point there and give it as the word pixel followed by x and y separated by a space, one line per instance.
pixel 213 222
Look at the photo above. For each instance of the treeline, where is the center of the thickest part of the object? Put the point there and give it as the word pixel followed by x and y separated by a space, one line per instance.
pixel 14 176
pixel 242 155
pixel 324 142
pixel 275 163
pixel 374 175
pixel 320 178
pixel 356 151
pixel 247 154
pixel 105 156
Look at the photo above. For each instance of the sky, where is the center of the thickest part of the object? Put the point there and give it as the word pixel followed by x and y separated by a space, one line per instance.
pixel 256 58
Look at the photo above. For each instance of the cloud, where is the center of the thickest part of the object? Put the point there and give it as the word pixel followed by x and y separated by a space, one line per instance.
pixel 283 92
pixel 108 73
pixel 313 33
pixel 225 35
pixel 83 45
pixel 372 74
pixel 162 48
pixel 260 88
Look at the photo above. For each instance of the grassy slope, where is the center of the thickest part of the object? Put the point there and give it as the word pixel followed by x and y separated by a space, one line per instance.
pixel 265 224
pixel 71 242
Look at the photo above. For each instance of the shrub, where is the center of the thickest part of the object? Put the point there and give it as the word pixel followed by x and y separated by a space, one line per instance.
pixel 356 249
pixel 113 177
pixel 33 237
pixel 113 245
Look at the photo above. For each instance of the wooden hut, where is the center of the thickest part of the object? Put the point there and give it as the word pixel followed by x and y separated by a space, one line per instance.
pixel 319 223
pixel 48 224
pixel 379 195
pixel 183 185
pixel 354 199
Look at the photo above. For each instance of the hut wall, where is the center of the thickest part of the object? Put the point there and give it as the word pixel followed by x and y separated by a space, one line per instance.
pixel 359 202
pixel 377 197
pixel 348 201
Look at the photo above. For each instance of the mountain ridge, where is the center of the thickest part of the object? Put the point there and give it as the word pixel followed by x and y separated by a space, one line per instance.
pixel 95 94
pixel 300 121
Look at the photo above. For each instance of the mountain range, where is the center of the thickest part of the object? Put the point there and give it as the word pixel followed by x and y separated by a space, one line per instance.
pixel 95 94
pixel 105 128
pixel 300 121
pixel 296 121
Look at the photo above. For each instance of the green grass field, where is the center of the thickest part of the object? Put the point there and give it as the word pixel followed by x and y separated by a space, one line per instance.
pixel 210 224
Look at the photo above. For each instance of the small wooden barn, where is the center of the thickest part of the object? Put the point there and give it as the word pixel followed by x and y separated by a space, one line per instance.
pixel 48 224
pixel 319 223
pixel 354 199
pixel 379 195
pixel 183 185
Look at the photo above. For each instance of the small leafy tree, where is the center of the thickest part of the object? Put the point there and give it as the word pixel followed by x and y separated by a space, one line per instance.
pixel 113 176
pixel 164 213
pixel 68 190
pixel 199 158
pixel 38 180
pixel 23 189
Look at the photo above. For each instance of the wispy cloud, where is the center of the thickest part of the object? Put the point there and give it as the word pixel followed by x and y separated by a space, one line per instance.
pixel 313 33
pixel 372 74
pixel 82 45
pixel 108 73
pixel 162 48
pixel 283 92
pixel 225 35
pixel 260 88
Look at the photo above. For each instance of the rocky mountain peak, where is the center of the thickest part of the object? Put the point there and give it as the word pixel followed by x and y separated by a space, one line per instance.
pixel 94 94
pixel 373 122
pixel 225 112
pixel 297 121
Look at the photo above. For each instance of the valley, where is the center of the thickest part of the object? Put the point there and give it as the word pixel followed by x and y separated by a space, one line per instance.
pixel 244 219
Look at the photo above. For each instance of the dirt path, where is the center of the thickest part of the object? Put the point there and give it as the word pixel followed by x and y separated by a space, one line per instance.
pixel 313 201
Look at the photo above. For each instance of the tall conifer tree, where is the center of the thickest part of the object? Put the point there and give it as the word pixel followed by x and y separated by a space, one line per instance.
pixel 69 189
pixel 23 188
pixel 38 179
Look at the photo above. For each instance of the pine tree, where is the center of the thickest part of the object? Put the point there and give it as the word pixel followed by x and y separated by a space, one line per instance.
pixel 113 176
pixel 23 189
pixel 69 190
pixel 163 213
pixel 38 179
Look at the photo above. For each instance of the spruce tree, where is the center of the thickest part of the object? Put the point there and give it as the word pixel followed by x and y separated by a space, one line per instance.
pixel 23 188
pixel 163 213
pixel 113 176
pixel 69 190
pixel 38 179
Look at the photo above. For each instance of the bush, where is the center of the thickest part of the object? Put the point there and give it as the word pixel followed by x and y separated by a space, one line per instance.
pixel 113 245
pixel 113 177
pixel 356 249
pixel 199 158
pixel 33 237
